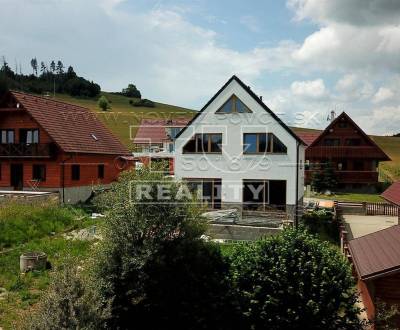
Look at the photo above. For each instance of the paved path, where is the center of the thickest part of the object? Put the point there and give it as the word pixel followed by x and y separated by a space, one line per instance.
pixel 360 225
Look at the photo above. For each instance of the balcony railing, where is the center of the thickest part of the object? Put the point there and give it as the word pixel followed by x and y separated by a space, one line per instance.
pixel 20 150
pixel 349 176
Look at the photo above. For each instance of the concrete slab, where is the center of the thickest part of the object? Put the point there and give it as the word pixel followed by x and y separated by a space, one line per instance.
pixel 360 225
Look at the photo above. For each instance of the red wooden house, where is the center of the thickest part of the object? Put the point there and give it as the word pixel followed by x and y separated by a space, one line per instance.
pixel 49 145
pixel 376 260
pixel 353 154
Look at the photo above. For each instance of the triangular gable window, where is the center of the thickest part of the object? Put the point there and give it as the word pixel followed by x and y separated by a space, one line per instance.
pixel 234 105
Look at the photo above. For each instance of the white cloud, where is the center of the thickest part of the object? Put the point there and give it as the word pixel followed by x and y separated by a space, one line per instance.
pixel 383 94
pixel 314 89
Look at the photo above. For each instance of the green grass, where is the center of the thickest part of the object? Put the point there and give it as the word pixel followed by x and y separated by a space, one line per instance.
pixel 25 290
pixel 123 118
pixel 350 197
pixel 20 223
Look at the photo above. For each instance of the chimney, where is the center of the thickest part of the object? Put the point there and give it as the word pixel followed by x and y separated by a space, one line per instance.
pixel 260 97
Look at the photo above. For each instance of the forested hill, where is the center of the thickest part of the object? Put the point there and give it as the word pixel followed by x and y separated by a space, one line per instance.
pixel 48 78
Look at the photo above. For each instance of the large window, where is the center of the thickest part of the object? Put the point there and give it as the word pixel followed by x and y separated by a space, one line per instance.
pixel 209 190
pixel 259 143
pixel 173 132
pixel 39 172
pixel 29 136
pixel 7 136
pixel 234 105
pixel 204 143
pixel 75 172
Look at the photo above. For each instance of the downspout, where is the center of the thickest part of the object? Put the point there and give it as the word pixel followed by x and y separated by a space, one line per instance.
pixel 296 215
pixel 63 178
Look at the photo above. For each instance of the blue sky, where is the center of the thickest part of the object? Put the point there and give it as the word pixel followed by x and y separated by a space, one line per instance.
pixel 306 57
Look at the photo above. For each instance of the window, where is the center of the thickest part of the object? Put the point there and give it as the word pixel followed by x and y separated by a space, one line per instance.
pixel 255 194
pixel 256 143
pixel 342 124
pixel 173 132
pixel 7 136
pixel 332 142
pixel 75 172
pixel 353 142
pixel 234 105
pixel 29 136
pixel 204 143
pixel 39 172
pixel 209 190
pixel 358 165
pixel 100 171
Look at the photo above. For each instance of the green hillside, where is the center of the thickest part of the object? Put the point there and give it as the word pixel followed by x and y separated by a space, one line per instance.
pixel 123 118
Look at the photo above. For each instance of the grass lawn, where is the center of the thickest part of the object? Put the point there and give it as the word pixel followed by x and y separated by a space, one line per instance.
pixel 34 227
pixel 25 290
pixel 123 118
pixel 350 197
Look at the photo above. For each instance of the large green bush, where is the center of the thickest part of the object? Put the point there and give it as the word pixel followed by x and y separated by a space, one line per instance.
pixel 152 267
pixel 294 281
pixel 323 223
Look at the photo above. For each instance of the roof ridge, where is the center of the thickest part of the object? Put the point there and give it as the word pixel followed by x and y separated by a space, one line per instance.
pixel 49 99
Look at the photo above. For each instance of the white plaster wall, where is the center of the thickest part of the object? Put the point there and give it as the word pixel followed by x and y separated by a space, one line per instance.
pixel 232 166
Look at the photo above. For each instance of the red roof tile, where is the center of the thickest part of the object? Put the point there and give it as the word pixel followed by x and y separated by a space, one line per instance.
pixel 392 194
pixel 308 137
pixel 153 130
pixel 73 128
pixel 377 254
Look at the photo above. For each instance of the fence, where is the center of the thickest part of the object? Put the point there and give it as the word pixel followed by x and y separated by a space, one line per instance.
pixel 365 208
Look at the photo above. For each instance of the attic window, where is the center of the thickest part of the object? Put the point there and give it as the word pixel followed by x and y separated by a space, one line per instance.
pixel 94 137
pixel 234 105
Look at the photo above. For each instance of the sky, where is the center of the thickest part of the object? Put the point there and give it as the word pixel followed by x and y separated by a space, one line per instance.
pixel 305 57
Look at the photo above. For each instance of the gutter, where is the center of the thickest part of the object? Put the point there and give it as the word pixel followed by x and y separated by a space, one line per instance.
pixel 296 215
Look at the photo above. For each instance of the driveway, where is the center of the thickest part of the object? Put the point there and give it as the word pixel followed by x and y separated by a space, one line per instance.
pixel 360 225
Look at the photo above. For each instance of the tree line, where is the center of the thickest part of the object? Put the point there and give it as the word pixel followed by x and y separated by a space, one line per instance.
pixel 45 78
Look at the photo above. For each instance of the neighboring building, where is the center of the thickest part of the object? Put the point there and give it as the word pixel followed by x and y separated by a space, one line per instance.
pixel 376 259
pixel 154 140
pixel 238 153
pixel 392 194
pixel 352 153
pixel 54 146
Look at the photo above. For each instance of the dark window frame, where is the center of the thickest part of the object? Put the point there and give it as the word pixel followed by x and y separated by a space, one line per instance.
pixel 39 172
pixel 330 142
pixel 349 142
pixel 75 172
pixel 199 140
pixel 269 141
pixel 7 130
pixel 26 130
pixel 234 108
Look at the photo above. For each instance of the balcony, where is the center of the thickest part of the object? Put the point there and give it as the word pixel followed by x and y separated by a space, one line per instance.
pixel 349 176
pixel 20 150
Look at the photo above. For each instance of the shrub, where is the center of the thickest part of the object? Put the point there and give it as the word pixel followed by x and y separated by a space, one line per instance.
pixel 151 265
pixel 103 103
pixel 144 103
pixel 131 91
pixel 294 281
pixel 68 303
pixel 322 223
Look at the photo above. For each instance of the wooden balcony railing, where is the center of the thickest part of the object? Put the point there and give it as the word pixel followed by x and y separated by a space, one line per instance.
pixel 20 150
pixel 349 176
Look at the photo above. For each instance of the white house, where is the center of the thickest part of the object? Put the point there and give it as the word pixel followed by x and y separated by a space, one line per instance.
pixel 238 153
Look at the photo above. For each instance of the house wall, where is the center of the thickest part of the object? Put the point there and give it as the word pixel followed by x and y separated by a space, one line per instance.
pixel 20 119
pixel 232 166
